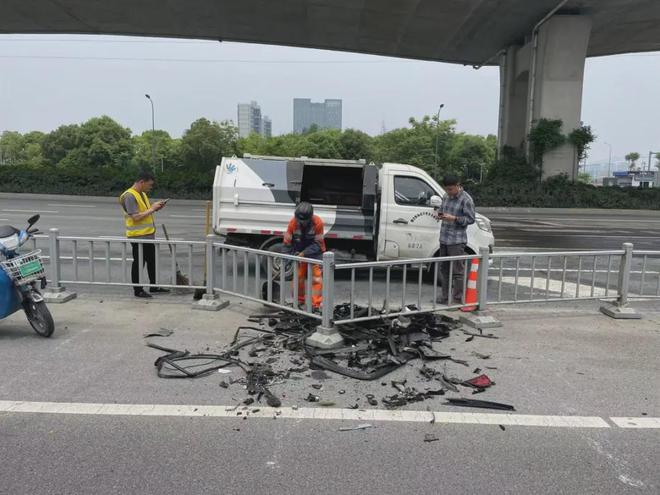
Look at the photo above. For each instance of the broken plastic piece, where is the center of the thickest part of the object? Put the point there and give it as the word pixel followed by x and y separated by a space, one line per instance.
pixel 481 381
pixel 163 332
pixel 483 404
pixel 430 437
pixel 363 426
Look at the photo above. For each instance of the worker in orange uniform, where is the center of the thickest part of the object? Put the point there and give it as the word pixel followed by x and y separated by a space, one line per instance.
pixel 304 237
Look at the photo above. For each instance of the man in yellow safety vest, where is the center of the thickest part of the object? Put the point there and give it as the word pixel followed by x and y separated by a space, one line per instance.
pixel 140 225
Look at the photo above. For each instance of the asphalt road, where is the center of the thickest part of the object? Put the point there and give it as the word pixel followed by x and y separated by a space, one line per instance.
pixel 517 228
pixel 556 368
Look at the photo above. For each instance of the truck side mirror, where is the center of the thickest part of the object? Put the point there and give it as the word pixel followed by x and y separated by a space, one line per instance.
pixel 436 201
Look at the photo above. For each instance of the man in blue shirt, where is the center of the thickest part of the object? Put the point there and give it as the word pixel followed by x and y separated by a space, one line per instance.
pixel 456 214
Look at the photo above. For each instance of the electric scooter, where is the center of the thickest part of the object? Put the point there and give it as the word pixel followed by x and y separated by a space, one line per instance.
pixel 19 275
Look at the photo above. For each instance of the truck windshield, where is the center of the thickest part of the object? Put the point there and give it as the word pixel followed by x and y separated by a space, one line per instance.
pixel 412 191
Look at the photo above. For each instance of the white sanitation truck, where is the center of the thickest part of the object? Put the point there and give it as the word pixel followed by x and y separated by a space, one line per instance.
pixel 369 212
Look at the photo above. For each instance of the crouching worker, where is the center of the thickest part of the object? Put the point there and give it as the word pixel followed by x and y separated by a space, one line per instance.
pixel 304 237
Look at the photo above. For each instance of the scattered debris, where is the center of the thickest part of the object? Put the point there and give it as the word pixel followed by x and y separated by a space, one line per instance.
pixel 502 427
pixel 484 335
pixel 484 404
pixel 358 427
pixel 430 437
pixel 274 350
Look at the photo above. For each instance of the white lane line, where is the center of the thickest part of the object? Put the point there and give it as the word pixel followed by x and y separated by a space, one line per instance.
pixel 304 413
pixel 643 422
pixel 72 206
pixel 555 286
pixel 4 219
pixel 30 211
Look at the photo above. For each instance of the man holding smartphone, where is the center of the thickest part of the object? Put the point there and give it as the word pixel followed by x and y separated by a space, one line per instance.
pixel 456 213
pixel 140 225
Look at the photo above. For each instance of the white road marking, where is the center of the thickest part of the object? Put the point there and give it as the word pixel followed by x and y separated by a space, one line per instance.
pixel 642 422
pixel 72 206
pixel 172 410
pixel 570 288
pixel 30 211
pixel 4 219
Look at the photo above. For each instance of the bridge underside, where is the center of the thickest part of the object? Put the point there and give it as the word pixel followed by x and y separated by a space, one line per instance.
pixel 459 31
pixel 541 69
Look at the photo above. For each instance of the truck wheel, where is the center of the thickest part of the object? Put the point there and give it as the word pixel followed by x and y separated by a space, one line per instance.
pixel 276 245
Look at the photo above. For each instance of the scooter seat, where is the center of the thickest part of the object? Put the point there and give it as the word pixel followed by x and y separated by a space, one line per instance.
pixel 7 231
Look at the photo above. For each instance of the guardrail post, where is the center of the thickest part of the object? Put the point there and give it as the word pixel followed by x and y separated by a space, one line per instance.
pixel 327 335
pixel 210 301
pixel 620 309
pixel 479 319
pixel 55 292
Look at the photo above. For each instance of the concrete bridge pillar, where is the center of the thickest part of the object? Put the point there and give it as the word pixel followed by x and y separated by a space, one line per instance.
pixel 544 79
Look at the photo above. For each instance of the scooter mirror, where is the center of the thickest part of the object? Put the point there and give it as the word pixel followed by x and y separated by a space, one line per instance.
pixel 33 219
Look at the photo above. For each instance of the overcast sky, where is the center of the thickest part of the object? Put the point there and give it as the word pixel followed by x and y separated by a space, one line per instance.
pixel 47 81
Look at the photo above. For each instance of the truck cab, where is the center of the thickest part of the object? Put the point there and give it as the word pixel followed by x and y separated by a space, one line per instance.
pixel 407 226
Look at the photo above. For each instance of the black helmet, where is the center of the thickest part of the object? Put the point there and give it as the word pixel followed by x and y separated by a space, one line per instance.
pixel 304 212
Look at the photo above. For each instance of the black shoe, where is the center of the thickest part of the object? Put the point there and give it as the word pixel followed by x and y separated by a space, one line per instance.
pixel 143 294
pixel 156 290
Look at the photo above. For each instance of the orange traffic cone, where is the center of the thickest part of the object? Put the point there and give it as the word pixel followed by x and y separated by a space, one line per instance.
pixel 471 289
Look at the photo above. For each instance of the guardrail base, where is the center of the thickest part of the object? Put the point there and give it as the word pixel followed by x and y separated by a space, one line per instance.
pixel 325 338
pixel 210 302
pixel 620 312
pixel 480 320
pixel 58 295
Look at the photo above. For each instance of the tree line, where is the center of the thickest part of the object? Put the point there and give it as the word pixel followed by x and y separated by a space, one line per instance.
pixel 101 157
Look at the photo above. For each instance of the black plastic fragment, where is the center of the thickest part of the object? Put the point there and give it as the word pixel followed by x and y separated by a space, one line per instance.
pixel 483 404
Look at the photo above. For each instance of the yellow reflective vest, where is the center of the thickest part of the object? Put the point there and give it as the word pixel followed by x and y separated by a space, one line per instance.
pixel 143 227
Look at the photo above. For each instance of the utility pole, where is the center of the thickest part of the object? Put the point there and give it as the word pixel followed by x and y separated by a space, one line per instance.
pixel 437 139
pixel 153 134
pixel 609 163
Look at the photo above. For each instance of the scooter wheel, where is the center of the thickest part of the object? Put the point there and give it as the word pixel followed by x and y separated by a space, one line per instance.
pixel 39 317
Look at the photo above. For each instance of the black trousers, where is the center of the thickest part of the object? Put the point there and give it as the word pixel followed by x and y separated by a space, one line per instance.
pixel 148 258
pixel 457 272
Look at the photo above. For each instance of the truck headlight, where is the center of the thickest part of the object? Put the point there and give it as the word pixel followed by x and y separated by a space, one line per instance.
pixel 484 224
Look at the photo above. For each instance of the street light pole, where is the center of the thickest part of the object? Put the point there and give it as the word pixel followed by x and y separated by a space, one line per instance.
pixel 609 163
pixel 153 133
pixel 437 139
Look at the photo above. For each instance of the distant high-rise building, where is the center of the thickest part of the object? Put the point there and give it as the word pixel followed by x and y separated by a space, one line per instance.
pixel 326 115
pixel 251 121
pixel 266 127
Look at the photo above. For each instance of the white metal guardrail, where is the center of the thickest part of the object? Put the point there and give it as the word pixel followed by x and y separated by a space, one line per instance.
pixel 370 290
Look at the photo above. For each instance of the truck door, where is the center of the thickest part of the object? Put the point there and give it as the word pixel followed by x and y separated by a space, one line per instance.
pixel 408 226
